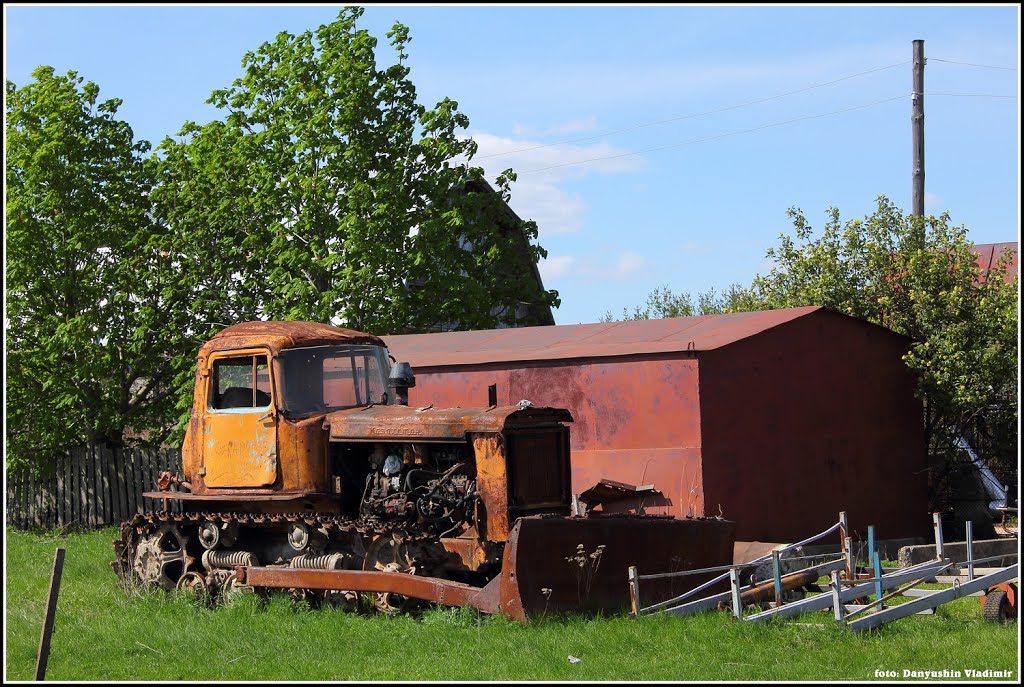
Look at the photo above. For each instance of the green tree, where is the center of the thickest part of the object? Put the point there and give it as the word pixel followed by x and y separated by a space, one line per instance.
pixel 328 193
pixel 662 302
pixel 89 359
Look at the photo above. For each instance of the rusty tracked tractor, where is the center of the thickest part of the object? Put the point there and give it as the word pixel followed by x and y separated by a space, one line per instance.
pixel 304 470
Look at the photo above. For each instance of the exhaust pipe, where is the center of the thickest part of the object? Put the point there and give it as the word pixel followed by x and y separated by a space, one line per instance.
pixel 401 379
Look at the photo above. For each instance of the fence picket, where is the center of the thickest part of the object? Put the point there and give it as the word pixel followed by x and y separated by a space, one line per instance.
pixel 79 495
pixel 88 487
pixel 118 482
pixel 65 497
pixel 97 486
pixel 19 494
pixel 48 491
pixel 104 466
pixel 32 499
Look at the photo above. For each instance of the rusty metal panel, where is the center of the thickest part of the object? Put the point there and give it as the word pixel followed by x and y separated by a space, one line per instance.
pixel 797 421
pixel 302 449
pixel 239 444
pixel 240 449
pixel 676 473
pixel 380 423
pixel 551 566
pixel 492 485
pixel 615 405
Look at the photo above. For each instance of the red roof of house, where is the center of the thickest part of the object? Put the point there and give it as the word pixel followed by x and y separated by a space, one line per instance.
pixel 989 254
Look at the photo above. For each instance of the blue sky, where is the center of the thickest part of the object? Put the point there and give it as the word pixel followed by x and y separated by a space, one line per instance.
pixel 692 202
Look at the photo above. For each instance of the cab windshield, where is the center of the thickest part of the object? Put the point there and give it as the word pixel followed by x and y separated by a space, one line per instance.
pixel 325 378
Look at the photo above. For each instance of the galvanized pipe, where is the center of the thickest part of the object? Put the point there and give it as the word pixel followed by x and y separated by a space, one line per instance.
pixel 970 550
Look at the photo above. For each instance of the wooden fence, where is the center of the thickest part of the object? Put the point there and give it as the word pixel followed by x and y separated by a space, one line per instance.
pixel 89 487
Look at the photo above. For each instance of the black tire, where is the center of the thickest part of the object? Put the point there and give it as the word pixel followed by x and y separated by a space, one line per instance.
pixel 998 608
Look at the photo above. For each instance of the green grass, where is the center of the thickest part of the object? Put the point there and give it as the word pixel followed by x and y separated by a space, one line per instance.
pixel 102 633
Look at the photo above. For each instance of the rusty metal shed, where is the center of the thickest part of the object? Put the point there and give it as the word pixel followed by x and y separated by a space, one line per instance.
pixel 775 419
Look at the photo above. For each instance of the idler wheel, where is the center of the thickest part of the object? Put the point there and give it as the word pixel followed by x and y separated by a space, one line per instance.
pixel 160 557
pixel 302 537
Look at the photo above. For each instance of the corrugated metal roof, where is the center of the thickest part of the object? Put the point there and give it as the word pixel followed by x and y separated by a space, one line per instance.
pixel 601 340
pixel 989 254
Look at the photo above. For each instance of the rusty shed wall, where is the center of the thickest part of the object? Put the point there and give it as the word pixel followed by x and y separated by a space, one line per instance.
pixel 635 420
pixel 808 419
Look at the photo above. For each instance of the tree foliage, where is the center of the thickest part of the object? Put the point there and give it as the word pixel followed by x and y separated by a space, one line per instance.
pixel 662 302
pixel 88 355
pixel 328 193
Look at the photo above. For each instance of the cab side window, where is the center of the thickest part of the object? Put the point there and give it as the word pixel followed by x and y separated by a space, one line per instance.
pixel 242 382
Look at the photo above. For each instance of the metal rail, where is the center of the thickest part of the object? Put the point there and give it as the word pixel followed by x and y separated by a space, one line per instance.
pixel 865 587
pixel 730 572
pixel 933 600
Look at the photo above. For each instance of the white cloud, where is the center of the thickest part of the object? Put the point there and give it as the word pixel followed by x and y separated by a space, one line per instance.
pixel 932 200
pixel 629 265
pixel 551 161
pixel 624 266
pixel 536 195
pixel 557 267
pixel 554 210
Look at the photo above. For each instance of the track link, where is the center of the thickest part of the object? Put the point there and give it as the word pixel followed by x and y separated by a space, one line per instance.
pixel 156 548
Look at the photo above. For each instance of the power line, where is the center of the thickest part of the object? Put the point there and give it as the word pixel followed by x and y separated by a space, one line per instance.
pixel 969 64
pixel 713 138
pixel 691 116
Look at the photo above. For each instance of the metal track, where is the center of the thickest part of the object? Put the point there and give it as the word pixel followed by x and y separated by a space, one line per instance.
pixel 145 524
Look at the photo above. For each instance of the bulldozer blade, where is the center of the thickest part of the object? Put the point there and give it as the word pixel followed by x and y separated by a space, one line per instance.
pixel 581 564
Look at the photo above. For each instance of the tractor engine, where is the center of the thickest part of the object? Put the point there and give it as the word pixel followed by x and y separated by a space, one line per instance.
pixel 432 485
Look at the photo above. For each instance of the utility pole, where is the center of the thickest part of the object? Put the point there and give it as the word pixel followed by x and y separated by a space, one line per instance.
pixel 917 125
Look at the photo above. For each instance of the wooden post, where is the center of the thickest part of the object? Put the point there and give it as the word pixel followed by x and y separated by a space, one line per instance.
pixel 634 591
pixel 940 549
pixel 851 564
pixel 917 126
pixel 51 607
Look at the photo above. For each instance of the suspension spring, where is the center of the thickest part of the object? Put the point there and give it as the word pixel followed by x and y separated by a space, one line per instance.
pixel 327 562
pixel 228 559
